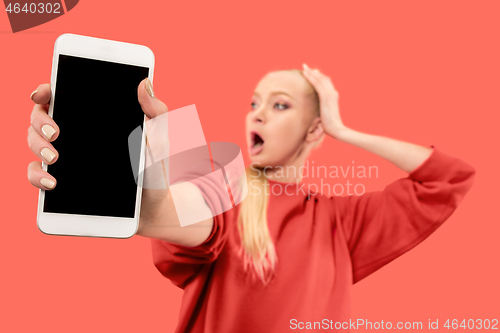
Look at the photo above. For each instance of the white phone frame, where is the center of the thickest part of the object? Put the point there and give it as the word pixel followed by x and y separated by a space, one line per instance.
pixel 90 225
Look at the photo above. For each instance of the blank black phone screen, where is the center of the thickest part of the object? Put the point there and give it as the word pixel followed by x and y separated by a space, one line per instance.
pixel 96 109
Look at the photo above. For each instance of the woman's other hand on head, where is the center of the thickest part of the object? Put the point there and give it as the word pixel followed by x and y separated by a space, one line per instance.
pixel 328 100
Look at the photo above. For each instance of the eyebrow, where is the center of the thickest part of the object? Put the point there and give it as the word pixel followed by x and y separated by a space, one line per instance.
pixel 278 93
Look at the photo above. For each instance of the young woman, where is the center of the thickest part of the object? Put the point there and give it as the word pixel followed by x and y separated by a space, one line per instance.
pixel 278 260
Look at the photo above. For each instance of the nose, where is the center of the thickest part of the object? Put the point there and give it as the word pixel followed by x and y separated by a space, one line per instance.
pixel 258 115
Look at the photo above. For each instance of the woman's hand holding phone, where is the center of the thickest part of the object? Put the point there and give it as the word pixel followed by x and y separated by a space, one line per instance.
pixel 158 217
pixel 42 131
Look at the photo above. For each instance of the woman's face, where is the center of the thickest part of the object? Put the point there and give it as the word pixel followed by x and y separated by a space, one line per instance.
pixel 277 124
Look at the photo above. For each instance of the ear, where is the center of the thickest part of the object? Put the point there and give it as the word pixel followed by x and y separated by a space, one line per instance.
pixel 315 132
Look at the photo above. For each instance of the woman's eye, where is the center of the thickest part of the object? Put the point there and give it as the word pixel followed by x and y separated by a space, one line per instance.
pixel 280 106
pixel 283 105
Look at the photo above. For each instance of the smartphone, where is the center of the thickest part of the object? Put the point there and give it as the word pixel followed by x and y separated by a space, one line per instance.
pixel 94 102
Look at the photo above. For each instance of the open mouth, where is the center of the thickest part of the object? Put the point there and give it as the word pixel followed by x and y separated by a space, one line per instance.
pixel 256 144
pixel 256 140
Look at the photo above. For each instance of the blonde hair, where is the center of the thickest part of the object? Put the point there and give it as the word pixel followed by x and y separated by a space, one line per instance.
pixel 257 248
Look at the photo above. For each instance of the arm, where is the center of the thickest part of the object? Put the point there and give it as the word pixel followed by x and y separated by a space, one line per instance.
pixel 404 155
pixel 158 218
pixel 380 226
pixel 191 193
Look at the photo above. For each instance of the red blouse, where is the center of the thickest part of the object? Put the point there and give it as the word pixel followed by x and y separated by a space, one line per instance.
pixel 324 245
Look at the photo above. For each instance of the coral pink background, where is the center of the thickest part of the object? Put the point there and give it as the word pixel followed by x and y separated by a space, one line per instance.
pixel 424 72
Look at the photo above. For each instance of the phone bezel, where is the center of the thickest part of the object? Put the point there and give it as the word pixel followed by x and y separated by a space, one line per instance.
pixel 89 225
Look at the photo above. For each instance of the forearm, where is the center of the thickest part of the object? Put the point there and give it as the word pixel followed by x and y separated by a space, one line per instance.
pixel 159 218
pixel 406 156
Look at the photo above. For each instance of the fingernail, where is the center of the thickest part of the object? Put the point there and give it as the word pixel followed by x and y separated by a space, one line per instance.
pixel 47 154
pixel 48 131
pixel 47 183
pixel 149 88
pixel 31 96
pixel 305 66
